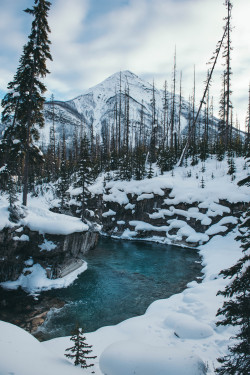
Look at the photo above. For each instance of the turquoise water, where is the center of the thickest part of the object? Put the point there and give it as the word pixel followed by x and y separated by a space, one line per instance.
pixel 122 279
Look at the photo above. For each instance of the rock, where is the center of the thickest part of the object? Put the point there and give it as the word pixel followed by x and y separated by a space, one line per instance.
pixel 62 258
pixel 143 210
pixel 23 310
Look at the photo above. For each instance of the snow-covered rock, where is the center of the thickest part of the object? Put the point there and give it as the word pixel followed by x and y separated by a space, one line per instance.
pixel 131 357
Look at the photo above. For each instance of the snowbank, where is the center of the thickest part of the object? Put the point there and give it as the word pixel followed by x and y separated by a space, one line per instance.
pixel 39 218
pixel 22 354
pixel 176 336
pixel 34 279
pixel 131 357
pixel 175 205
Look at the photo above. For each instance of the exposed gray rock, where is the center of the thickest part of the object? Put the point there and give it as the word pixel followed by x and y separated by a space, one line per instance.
pixel 58 254
pixel 144 209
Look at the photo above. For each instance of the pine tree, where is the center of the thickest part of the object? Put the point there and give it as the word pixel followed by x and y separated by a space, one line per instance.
pixel 84 173
pixel 81 350
pixel 202 183
pixel 247 138
pixel 150 171
pixel 153 140
pixel 235 311
pixel 23 103
pixel 139 163
pixel 63 181
pixel 228 71
pixel 231 164
pixel 165 116
pixel 11 187
pixel 172 122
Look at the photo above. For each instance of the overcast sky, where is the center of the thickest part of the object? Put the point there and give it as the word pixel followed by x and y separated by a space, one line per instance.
pixel 92 39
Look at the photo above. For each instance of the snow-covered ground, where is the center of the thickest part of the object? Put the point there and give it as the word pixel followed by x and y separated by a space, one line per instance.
pixel 206 189
pixel 175 336
pixel 39 218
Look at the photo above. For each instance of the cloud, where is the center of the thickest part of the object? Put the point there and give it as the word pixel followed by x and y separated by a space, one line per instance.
pixel 138 35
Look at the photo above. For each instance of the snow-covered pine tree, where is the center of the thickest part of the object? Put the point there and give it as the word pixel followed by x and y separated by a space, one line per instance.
pixel 228 72
pixel 154 126
pixel 231 166
pixel 139 163
pixel 81 350
pixel 63 182
pixel 23 104
pixel 84 173
pixel 202 183
pixel 150 171
pixel 235 311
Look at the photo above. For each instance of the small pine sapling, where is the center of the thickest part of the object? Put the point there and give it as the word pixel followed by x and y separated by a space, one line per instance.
pixel 203 168
pixel 150 171
pixel 231 169
pixel 81 350
pixel 212 176
pixel 202 183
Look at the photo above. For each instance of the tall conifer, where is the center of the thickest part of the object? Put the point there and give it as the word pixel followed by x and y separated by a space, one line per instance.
pixel 23 104
pixel 235 310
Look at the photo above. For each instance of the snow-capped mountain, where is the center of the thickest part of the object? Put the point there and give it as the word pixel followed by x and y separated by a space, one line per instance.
pixel 96 108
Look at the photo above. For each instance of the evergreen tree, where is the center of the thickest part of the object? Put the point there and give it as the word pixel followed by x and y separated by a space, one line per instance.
pixel 220 150
pixel 11 187
pixel 23 103
pixel 154 126
pixel 202 183
pixel 173 105
pixel 84 173
pixel 139 163
pixel 228 71
pixel 81 350
pixel 166 159
pixel 235 311
pixel 165 116
pixel 150 171
pixel 231 164
pixel 247 138
pixel 63 182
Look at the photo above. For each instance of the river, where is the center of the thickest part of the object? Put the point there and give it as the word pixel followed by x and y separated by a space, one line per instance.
pixel 123 278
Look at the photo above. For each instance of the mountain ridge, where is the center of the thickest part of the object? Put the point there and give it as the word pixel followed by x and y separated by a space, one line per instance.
pixel 95 106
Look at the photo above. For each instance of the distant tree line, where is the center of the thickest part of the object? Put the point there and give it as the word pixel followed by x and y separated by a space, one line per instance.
pixel 126 148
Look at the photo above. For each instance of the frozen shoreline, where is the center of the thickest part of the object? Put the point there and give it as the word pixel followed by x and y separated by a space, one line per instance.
pixel 183 323
pixel 182 326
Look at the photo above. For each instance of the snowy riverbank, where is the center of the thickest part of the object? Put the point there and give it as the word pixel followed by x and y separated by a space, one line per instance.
pixel 43 250
pixel 176 335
